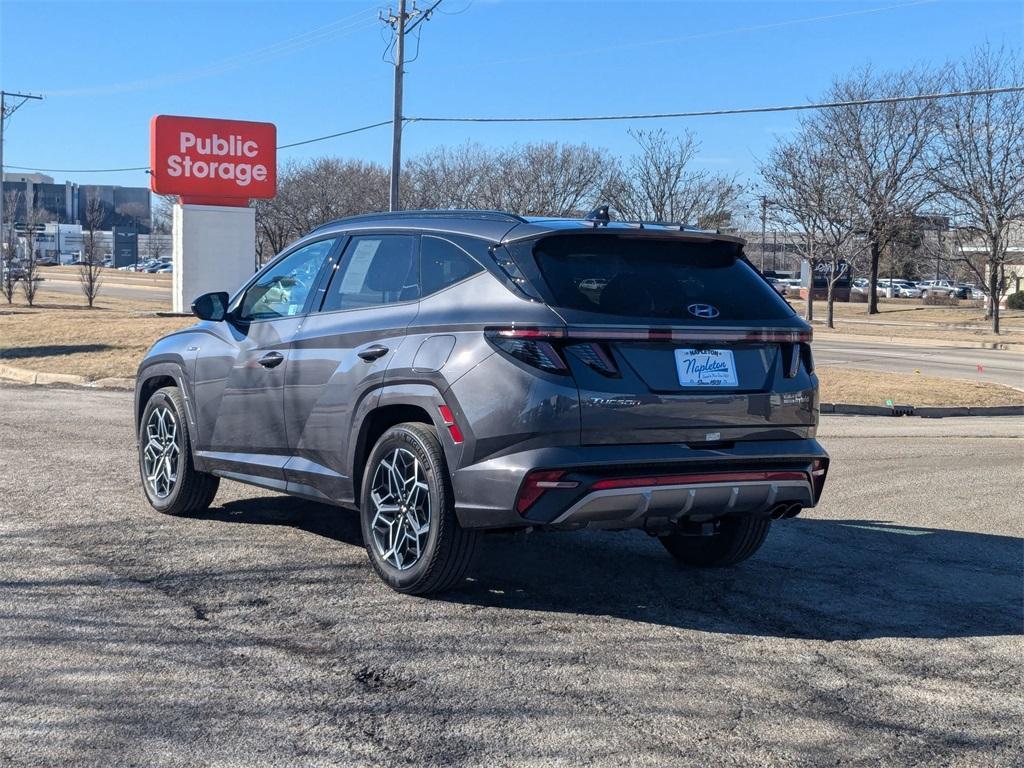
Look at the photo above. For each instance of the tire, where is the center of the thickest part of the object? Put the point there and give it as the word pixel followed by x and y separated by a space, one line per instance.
pixel 178 489
pixel 437 551
pixel 737 539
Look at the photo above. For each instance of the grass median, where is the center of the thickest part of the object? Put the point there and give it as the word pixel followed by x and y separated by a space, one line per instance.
pixel 61 335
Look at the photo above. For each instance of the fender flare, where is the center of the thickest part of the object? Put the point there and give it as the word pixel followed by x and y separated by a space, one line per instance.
pixel 174 369
pixel 422 395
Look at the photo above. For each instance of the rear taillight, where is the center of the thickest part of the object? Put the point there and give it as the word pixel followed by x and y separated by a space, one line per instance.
pixel 819 469
pixel 807 357
pixel 794 355
pixel 594 355
pixel 537 483
pixel 531 345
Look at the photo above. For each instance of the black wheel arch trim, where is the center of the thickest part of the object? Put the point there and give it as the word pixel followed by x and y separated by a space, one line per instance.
pixel 172 369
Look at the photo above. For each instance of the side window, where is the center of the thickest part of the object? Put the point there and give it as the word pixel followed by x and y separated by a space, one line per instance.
pixel 374 270
pixel 283 289
pixel 443 263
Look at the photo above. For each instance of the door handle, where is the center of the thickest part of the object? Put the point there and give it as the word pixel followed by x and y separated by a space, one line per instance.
pixel 271 359
pixel 372 353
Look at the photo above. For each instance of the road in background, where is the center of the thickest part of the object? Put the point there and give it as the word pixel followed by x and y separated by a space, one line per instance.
pixel 882 628
pixel 111 287
pixel 998 366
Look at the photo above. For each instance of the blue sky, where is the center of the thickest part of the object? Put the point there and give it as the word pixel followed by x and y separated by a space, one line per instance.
pixel 316 68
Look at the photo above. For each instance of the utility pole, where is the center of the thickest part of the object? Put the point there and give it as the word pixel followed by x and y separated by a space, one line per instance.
pixel 6 112
pixel 764 223
pixel 398 23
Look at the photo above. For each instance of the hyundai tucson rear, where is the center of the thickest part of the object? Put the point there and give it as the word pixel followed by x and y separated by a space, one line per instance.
pixel 457 373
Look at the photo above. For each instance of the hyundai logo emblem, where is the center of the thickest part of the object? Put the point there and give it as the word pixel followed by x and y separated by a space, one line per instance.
pixel 703 310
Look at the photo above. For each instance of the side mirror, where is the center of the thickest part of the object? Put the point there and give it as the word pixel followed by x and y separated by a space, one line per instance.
pixel 211 306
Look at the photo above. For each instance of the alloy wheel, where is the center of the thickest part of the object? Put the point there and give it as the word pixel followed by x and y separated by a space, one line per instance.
pixel 161 453
pixel 401 500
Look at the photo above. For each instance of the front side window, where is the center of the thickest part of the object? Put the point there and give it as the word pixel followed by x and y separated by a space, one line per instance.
pixel 375 270
pixel 282 291
pixel 442 263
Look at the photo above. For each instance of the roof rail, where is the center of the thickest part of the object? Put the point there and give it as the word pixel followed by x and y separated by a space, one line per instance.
pixel 601 216
pixel 439 213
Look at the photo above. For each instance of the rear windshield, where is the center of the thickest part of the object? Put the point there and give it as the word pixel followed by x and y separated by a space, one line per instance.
pixel 655 278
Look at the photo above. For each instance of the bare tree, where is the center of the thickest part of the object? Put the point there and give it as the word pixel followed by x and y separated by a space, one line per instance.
pixel 458 177
pixel 9 274
pixel 35 217
pixel 314 192
pixel 90 271
pixel 978 165
pixel 659 183
pixel 162 214
pixel 807 190
pixel 882 150
pixel 544 179
pixel 549 179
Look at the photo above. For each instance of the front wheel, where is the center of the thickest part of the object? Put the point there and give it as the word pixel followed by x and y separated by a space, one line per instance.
pixel 407 509
pixel 737 539
pixel 169 478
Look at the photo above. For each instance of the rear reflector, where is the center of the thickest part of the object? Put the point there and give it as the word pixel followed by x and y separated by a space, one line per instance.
pixel 449 421
pixel 713 477
pixel 537 483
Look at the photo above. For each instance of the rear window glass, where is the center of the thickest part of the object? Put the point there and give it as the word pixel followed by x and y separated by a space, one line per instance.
pixel 655 278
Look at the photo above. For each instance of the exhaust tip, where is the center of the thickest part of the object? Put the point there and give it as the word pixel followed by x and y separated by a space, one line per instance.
pixel 778 512
pixel 793 510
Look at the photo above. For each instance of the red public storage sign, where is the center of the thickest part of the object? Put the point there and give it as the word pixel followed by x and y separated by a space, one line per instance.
pixel 216 162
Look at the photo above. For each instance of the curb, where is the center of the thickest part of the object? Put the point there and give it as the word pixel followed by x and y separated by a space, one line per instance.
pixel 28 376
pixel 923 411
pixel 916 341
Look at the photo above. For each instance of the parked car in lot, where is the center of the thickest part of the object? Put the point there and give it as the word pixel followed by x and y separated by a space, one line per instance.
pixel 942 288
pixel 781 287
pixel 897 289
pixel 452 372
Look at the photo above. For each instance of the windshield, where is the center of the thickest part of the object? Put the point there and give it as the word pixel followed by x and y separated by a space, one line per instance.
pixel 655 278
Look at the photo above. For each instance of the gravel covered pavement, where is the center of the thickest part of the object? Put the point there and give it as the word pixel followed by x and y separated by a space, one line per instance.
pixel 883 628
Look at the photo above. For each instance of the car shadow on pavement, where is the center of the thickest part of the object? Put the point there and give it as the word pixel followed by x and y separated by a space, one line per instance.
pixel 320 519
pixel 813 578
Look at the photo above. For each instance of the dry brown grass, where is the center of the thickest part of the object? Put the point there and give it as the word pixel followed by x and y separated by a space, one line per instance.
pixel 853 385
pixel 908 318
pixel 61 335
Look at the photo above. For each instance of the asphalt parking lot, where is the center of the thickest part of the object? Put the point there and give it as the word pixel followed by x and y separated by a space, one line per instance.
pixel 883 627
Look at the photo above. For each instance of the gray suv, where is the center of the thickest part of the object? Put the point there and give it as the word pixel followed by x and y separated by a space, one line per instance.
pixel 452 372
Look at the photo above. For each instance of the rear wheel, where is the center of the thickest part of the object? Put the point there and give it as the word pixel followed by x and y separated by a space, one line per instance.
pixel 169 478
pixel 407 509
pixel 737 539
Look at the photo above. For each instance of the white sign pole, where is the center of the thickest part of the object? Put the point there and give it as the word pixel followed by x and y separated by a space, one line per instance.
pixel 213 250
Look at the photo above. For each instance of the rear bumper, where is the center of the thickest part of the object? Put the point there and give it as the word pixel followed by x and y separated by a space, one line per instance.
pixel 685 484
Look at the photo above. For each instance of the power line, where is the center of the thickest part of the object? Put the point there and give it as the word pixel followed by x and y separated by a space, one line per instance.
pixel 592 118
pixel 713 112
pixel 335 135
